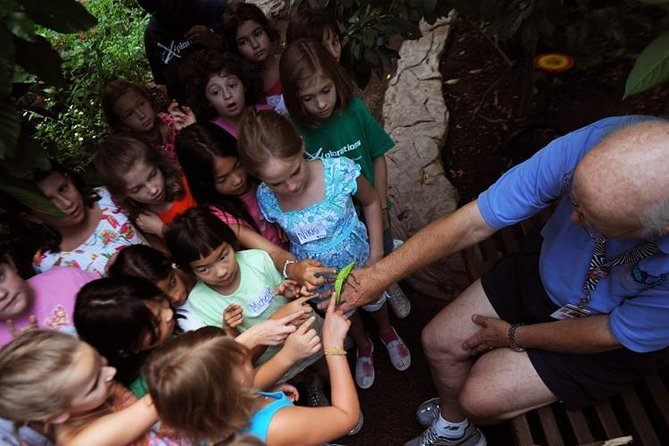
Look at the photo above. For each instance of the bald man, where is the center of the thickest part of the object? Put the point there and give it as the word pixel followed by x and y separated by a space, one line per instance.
pixel 578 315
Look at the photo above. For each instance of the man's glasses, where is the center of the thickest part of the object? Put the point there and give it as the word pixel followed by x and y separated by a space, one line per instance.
pixel 568 190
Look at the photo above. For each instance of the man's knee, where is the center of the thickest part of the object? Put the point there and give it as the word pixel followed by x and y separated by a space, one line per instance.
pixel 479 404
pixel 436 343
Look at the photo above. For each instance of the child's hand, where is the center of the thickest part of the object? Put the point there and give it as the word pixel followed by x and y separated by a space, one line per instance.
pixel 310 273
pixel 182 116
pixel 150 223
pixel 16 332
pixel 274 331
pixel 299 304
pixel 232 316
pixel 335 327
pixel 288 288
pixel 289 390
pixel 303 343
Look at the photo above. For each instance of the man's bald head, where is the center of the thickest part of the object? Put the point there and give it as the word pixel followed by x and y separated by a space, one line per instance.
pixel 623 183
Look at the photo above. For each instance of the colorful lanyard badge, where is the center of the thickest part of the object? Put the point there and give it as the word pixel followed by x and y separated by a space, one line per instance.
pixel 340 280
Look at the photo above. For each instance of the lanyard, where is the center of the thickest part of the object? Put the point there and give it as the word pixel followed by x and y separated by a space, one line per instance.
pixel 599 268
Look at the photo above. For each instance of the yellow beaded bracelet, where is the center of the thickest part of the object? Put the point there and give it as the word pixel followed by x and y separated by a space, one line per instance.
pixel 335 351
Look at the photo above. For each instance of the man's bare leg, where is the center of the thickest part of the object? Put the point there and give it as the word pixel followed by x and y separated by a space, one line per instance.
pixel 442 340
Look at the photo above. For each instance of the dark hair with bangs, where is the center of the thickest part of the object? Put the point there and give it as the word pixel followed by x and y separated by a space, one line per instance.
pixel 141 261
pixel 111 314
pixel 198 145
pixel 204 64
pixel 235 16
pixel 195 234
pixel 302 60
pixel 112 92
pixel 311 24
pixel 119 154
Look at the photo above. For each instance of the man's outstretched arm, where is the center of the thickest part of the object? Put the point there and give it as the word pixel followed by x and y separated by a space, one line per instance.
pixel 446 235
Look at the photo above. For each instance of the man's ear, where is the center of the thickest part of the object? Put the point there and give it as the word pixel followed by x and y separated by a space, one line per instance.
pixel 58 418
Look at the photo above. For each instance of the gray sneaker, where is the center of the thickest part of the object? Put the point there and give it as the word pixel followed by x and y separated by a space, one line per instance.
pixel 357 427
pixel 428 411
pixel 315 394
pixel 398 301
pixel 471 437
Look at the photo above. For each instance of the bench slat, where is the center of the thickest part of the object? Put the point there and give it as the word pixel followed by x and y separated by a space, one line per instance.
pixel 550 426
pixel 608 420
pixel 640 419
pixel 580 426
pixel 521 427
pixel 660 395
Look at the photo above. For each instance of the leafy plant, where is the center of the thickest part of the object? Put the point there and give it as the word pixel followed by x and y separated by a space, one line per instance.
pixel 72 118
pixel 368 27
pixel 24 51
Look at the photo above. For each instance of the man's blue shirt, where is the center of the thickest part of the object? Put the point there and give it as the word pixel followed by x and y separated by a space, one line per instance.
pixel 636 295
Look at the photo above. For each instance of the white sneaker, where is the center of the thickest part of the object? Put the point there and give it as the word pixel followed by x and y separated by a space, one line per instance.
pixel 398 352
pixel 364 369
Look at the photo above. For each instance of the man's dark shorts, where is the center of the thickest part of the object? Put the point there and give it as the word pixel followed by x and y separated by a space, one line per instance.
pixel 515 291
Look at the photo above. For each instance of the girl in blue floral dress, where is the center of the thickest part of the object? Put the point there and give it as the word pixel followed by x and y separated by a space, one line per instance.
pixel 312 202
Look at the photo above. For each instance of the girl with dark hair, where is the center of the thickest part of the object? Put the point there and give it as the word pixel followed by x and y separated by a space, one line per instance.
pixel 152 264
pixel 221 87
pixel 318 25
pixel 250 34
pixel 90 229
pixel 144 182
pixel 129 109
pixel 218 181
pixel 243 286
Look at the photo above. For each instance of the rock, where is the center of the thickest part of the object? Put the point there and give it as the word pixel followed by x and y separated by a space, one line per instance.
pixel 416 118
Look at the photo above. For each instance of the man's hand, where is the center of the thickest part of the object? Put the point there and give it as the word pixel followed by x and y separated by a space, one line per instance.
pixel 203 36
pixel 492 334
pixel 359 289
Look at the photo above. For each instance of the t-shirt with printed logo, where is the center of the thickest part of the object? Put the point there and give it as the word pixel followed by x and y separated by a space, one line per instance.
pixel 353 133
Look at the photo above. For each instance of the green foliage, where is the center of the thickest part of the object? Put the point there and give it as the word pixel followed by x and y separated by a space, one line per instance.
pixel 369 25
pixel 72 118
pixel 24 51
pixel 651 67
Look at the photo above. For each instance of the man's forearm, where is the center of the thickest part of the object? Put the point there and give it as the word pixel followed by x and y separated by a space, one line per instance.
pixel 579 336
pixel 445 236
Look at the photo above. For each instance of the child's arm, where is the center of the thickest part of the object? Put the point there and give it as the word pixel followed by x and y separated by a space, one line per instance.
pixel 371 208
pixel 271 331
pixel 306 272
pixel 303 343
pixel 305 425
pixel 381 186
pixel 116 429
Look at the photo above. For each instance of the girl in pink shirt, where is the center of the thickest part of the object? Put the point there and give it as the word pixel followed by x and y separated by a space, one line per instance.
pixel 46 300
pixel 209 158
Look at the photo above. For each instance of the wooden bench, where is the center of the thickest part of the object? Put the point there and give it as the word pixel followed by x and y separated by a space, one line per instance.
pixel 641 412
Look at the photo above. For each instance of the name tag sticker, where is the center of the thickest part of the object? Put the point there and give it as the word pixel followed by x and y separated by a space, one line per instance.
pixel 261 301
pixel 310 233
pixel 570 311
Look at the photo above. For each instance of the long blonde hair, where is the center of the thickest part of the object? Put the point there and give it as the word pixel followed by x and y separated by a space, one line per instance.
pixel 194 381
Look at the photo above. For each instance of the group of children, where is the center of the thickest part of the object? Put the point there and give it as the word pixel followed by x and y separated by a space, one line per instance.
pixel 234 210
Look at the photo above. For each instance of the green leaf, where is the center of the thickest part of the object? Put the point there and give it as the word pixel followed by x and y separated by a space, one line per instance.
pixel 342 275
pixel 40 59
pixel 9 129
pixel 27 194
pixel 651 67
pixel 63 16
pixel 6 63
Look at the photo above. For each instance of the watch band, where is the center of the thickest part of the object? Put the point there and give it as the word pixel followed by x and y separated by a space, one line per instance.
pixel 512 338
